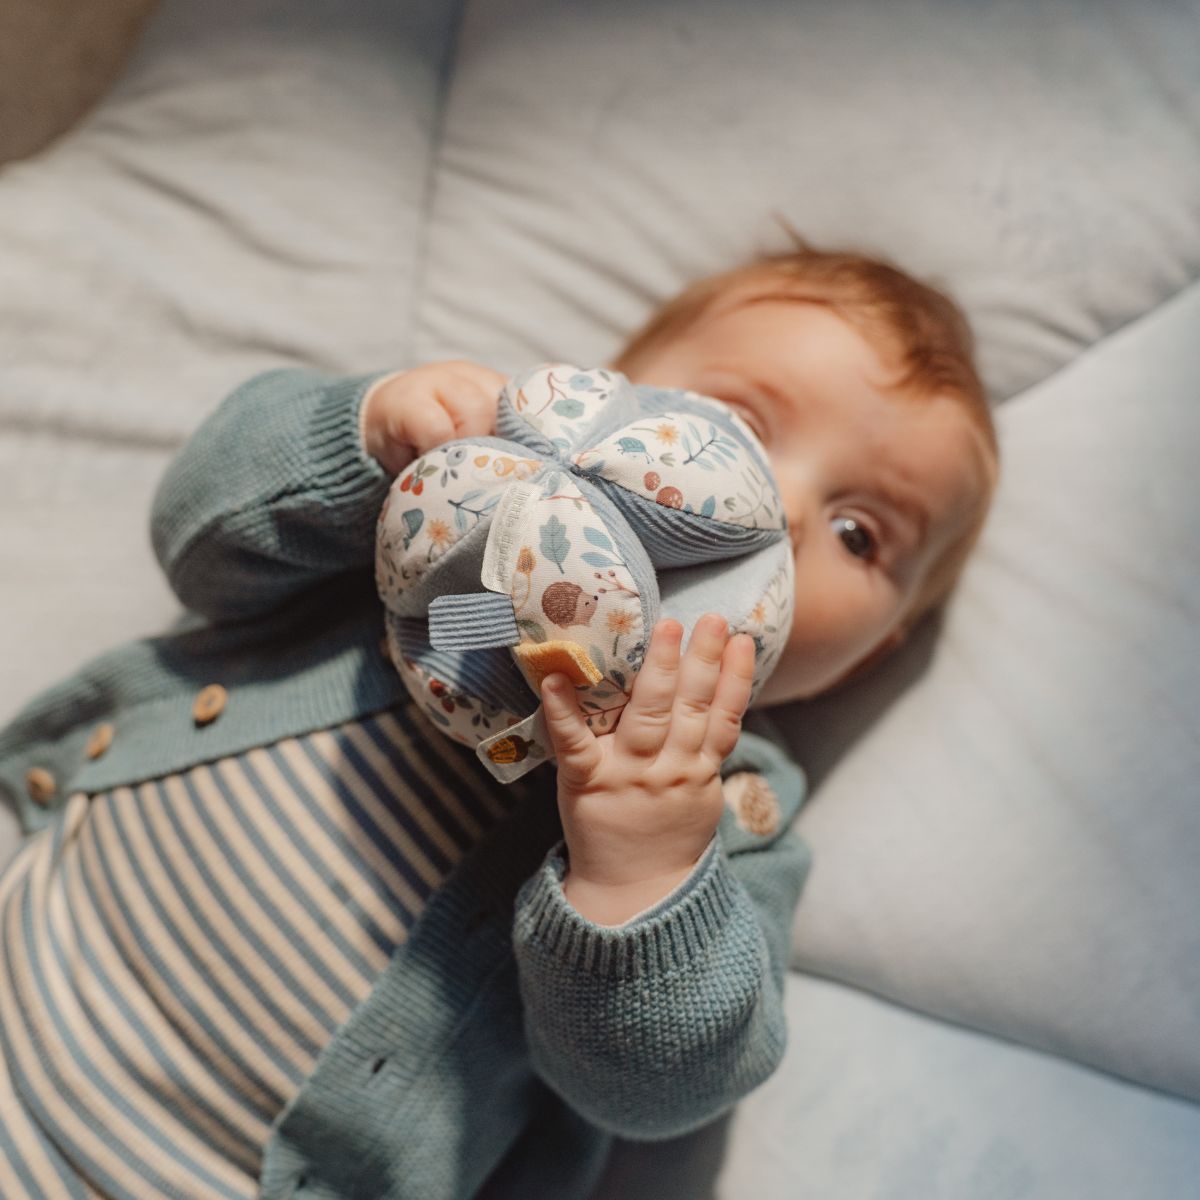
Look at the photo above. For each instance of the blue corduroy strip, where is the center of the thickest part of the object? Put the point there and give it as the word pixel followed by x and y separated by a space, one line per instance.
pixel 472 620
pixel 488 673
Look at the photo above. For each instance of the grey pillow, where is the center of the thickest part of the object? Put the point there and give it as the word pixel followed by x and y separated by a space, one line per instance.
pixel 1014 843
pixel 251 194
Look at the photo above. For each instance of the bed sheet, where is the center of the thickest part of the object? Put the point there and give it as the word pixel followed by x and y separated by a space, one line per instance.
pixel 874 1100
pixel 1009 840
pixel 1038 159
pixel 250 194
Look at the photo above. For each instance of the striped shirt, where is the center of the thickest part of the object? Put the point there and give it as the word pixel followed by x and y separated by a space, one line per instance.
pixel 177 953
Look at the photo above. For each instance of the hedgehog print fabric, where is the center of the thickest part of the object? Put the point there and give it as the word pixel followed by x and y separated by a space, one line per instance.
pixel 599 507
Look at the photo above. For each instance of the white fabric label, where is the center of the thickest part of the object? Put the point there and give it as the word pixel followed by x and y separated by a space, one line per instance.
pixel 504 536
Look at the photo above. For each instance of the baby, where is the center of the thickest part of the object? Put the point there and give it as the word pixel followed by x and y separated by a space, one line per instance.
pixel 859 382
pixel 275 936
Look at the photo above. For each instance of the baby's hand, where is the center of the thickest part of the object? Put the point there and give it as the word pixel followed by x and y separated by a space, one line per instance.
pixel 406 414
pixel 640 804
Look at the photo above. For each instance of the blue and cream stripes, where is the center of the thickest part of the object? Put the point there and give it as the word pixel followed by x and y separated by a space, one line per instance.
pixel 177 953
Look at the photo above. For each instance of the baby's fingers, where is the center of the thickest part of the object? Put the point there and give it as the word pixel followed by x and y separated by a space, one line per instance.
pixel 699 674
pixel 470 396
pixel 732 695
pixel 647 717
pixel 425 423
pixel 575 746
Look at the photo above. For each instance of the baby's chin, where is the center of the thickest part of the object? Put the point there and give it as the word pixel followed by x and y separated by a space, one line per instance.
pixel 778 691
pixel 791 686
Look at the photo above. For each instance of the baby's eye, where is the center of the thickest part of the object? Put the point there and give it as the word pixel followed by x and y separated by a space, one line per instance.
pixel 751 418
pixel 855 537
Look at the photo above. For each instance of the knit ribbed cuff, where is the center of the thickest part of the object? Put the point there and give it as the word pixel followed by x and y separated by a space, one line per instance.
pixel 376 382
pixel 336 428
pixel 668 936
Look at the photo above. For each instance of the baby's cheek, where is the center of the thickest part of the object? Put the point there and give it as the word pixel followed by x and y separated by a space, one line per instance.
pixel 838 620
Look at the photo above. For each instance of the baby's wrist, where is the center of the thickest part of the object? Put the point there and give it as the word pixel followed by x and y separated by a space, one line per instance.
pixel 373 435
pixel 612 903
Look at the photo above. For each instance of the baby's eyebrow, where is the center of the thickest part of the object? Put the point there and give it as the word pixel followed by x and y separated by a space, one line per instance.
pixel 909 507
pixel 772 393
pixel 765 389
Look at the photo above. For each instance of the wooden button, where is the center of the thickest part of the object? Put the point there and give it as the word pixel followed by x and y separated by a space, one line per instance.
pixel 383 648
pixel 753 801
pixel 100 740
pixel 210 703
pixel 40 784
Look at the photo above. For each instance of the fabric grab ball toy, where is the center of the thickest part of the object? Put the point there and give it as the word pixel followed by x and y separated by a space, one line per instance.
pixel 599 507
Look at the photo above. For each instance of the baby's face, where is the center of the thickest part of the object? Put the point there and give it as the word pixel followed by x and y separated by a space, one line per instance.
pixel 875 486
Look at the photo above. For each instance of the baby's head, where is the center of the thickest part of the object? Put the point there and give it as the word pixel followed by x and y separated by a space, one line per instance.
pixel 859 381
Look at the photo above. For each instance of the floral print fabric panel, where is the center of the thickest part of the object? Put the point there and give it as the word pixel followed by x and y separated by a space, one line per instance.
pixel 560 401
pixel 683 460
pixel 770 620
pixel 569 582
pixel 457 712
pixel 435 502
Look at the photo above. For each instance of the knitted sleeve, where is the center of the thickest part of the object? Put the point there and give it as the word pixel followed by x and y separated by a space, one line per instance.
pixel 656 1027
pixel 271 494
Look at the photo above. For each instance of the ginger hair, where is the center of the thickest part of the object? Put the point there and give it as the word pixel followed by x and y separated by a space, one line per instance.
pixel 911 324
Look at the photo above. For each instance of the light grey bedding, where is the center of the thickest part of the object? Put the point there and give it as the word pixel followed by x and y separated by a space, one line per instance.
pixel 1005 820
pixel 874 1100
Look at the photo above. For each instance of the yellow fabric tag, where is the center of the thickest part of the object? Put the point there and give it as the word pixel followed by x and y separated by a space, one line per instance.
pixel 540 659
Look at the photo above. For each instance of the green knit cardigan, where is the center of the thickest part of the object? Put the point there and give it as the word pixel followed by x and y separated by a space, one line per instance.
pixel 509 1038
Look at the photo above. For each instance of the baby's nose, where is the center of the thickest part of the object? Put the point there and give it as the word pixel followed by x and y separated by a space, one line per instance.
pixel 792 508
pixel 795 530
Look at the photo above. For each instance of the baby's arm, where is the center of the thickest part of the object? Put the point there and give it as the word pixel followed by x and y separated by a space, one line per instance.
pixel 656 1026
pixel 282 485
